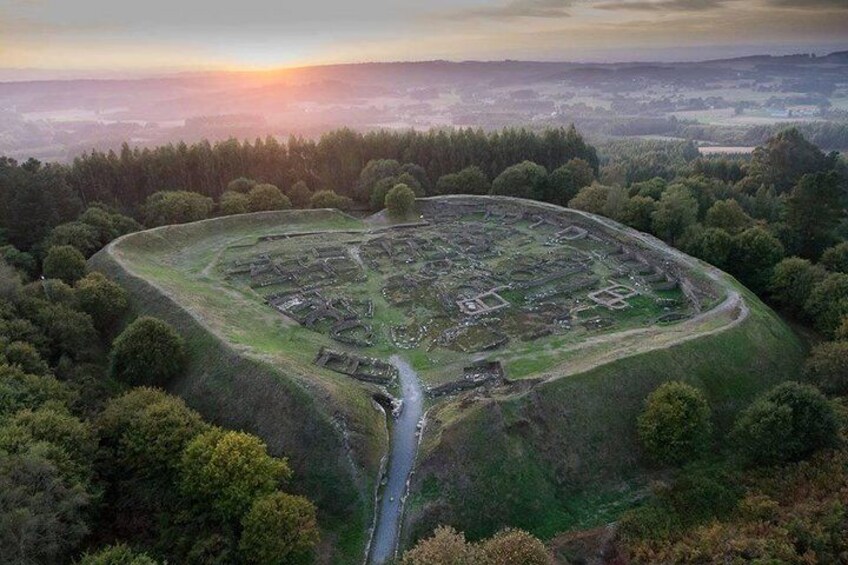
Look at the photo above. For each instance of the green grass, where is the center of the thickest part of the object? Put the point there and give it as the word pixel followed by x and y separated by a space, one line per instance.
pixel 559 456
pixel 565 455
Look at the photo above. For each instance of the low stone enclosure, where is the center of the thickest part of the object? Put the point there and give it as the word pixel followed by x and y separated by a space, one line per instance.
pixel 476 274
pixel 476 375
pixel 365 369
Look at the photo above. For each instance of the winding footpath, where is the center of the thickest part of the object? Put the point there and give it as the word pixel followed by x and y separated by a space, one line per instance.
pixel 403 447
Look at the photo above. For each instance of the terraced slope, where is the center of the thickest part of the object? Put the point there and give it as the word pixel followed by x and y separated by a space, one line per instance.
pixel 555 323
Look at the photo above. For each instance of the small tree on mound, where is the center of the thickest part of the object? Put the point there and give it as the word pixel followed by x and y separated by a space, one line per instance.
pixel 241 184
pixel 329 199
pixel 675 425
pixel 788 423
pixel 148 352
pixel 176 207
pixel 299 194
pixel 263 197
pixel 279 528
pixel 515 546
pixel 400 201
pixel 233 203
pixel 64 262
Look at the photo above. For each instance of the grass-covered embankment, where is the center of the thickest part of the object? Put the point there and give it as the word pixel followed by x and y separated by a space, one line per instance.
pixel 565 455
pixel 240 377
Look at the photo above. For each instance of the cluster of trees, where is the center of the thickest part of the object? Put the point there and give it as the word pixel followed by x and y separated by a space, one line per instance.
pixel 745 218
pixel 507 547
pixel 99 467
pixel 773 488
pixel 333 162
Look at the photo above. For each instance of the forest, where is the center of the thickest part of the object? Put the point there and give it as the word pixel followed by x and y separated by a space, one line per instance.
pixel 99 465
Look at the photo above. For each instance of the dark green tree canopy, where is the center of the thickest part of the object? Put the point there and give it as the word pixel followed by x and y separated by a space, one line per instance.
pixel 675 426
pixel 329 199
pixel 813 210
pixel 233 202
pixel 827 367
pixel 148 352
pixel 65 263
pixel 176 207
pixel 788 423
pixel 524 180
pixel 229 470
pixel 835 259
pixel 785 158
pixel 264 197
pixel 279 528
pixel 400 201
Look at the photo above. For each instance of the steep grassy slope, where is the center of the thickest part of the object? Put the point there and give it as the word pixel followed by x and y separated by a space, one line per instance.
pixel 554 452
pixel 564 454
pixel 326 425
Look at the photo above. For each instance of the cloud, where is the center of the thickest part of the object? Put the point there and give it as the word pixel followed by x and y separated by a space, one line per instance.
pixel 664 5
pixel 515 9
pixel 810 4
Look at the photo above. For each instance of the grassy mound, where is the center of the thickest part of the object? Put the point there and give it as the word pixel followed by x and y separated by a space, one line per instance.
pixel 554 450
pixel 565 455
pixel 326 425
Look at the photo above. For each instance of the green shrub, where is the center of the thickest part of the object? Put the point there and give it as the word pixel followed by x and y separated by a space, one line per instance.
pixel 65 263
pixel 148 352
pixel 675 424
pixel 788 423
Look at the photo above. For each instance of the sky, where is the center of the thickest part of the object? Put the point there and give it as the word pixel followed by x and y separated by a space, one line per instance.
pixel 88 36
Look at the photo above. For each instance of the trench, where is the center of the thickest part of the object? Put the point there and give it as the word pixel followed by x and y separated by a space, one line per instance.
pixel 403 448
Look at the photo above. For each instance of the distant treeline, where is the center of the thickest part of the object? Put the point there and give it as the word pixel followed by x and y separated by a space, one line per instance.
pixel 333 162
pixel 829 135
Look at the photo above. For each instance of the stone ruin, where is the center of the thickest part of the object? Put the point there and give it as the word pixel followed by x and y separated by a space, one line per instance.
pixel 366 369
pixel 484 303
pixel 472 276
pixel 479 374
pixel 613 297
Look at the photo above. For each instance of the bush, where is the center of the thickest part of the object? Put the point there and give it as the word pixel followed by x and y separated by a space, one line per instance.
pixel 515 546
pixel 279 528
pixel 85 238
pixel 524 180
pixel 65 263
pixel 299 194
pixel 591 199
pixel 263 197
pixel 400 201
pixel 103 300
pixel 788 423
pixel 241 185
pixel 176 207
pixel 233 203
pixel 148 352
pixel 675 425
pixel 827 304
pixel 228 470
pixel 792 282
pixel 118 554
pixel 145 431
pixel 329 199
pixel 446 545
pixel 827 367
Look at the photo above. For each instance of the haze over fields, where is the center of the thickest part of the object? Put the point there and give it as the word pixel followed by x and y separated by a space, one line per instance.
pixel 169 73
pixel 734 102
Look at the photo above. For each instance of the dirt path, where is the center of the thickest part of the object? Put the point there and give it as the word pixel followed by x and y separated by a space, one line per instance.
pixel 404 445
